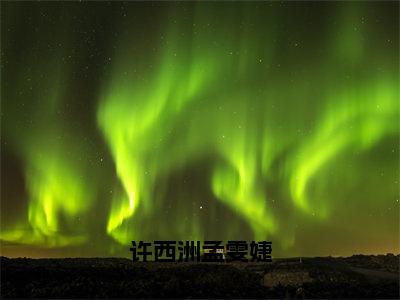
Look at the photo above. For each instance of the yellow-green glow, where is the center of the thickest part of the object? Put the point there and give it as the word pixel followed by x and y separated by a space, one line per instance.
pixel 56 175
pixel 354 121
pixel 136 117
pixel 200 121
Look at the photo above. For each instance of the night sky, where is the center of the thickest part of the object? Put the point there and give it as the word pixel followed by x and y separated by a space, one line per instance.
pixel 199 121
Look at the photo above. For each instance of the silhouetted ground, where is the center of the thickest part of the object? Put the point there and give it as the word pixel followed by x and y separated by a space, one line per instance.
pixel 353 277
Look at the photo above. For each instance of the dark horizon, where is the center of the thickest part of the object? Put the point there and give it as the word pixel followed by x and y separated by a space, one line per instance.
pixel 318 278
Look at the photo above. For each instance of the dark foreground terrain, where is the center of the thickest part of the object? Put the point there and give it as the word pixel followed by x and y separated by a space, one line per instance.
pixel 352 277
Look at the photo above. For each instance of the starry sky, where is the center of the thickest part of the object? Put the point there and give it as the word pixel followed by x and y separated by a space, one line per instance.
pixel 199 121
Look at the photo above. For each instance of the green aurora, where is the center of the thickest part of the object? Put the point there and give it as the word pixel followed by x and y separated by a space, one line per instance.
pixel 199 121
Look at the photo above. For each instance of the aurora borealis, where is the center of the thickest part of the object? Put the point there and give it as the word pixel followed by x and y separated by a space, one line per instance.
pixel 195 121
